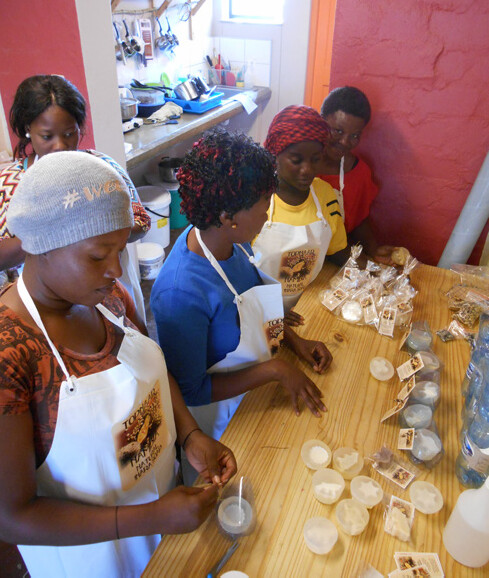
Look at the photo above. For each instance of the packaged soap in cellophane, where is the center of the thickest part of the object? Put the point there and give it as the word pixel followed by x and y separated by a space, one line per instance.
pixel 377 295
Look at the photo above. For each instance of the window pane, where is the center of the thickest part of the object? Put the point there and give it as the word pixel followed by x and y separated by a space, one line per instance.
pixel 256 9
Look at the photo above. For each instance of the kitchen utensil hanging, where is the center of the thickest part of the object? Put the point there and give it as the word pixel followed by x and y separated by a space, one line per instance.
pixel 131 42
pixel 119 49
pixel 161 42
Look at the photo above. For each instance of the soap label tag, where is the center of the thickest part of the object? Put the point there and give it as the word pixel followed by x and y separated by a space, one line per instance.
pixel 410 367
pixel 406 439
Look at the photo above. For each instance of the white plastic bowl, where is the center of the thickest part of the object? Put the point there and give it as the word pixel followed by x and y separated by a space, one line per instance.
pixel 320 535
pixel 327 485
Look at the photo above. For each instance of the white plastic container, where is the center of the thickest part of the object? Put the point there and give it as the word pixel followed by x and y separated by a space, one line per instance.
pixel 366 491
pixel 348 462
pixel 235 515
pixel 466 535
pixel 327 485
pixel 150 259
pixel 320 535
pixel 352 516
pixel 316 454
pixel 156 201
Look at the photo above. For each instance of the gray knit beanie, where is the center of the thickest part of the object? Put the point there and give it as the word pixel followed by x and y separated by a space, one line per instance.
pixel 67 197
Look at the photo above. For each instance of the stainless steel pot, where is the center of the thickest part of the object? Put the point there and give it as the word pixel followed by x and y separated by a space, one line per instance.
pixel 186 90
pixel 129 108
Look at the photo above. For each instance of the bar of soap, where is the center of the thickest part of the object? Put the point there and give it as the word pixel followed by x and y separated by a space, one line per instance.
pixel 320 535
pixel 327 485
pixel 348 462
pixel 426 497
pixel 352 516
pixel 397 524
pixel 381 368
pixel 316 454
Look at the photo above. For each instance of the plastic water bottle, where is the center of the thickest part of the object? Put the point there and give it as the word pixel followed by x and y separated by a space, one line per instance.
pixel 472 465
pixel 466 535
pixel 481 350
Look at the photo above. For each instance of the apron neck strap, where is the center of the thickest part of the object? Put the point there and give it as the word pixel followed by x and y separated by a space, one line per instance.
pixel 213 261
pixel 32 309
pixel 319 212
pixel 342 174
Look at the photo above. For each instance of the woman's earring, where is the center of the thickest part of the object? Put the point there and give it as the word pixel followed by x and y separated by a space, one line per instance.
pixel 234 226
pixel 27 135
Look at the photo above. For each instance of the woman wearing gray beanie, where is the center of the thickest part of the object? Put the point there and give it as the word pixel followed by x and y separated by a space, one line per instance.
pixel 89 415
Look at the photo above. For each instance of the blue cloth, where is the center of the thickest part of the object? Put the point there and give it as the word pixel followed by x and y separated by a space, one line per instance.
pixel 196 318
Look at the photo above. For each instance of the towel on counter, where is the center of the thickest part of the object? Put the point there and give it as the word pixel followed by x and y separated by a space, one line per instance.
pixel 168 110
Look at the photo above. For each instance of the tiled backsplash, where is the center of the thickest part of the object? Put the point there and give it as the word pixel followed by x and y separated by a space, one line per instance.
pixel 189 58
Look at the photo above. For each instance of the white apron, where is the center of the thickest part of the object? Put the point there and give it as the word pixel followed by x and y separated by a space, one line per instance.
pixel 113 445
pixel 293 254
pixel 261 315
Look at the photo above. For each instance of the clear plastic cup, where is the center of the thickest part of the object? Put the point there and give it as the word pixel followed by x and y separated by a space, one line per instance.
pixel 426 497
pixel 347 461
pixel 366 491
pixel 316 454
pixel 320 535
pixel 327 485
pixel 352 516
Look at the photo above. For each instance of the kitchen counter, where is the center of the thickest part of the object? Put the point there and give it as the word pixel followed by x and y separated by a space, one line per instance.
pixel 151 140
pixel 266 437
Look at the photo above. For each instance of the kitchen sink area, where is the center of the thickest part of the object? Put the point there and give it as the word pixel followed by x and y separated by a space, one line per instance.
pixel 148 141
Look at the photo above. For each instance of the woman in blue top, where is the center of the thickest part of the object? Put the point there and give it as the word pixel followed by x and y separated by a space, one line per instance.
pixel 219 319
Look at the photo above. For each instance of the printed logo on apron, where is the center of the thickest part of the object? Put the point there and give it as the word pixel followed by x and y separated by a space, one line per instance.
pixel 274 333
pixel 140 439
pixel 296 268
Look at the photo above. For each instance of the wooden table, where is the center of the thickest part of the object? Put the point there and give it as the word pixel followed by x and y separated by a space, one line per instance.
pixel 266 438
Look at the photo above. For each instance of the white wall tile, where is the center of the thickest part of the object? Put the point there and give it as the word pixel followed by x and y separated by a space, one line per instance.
pixel 233 49
pixel 261 74
pixel 258 51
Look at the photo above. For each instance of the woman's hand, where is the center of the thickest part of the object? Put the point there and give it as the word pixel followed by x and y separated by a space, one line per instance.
pixel 313 352
pixel 298 385
pixel 214 461
pixel 293 319
pixel 184 509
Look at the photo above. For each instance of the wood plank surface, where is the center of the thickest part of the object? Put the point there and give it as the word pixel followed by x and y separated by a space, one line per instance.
pixel 267 437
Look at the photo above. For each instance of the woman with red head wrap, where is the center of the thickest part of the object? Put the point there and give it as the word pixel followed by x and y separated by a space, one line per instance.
pixel 304 221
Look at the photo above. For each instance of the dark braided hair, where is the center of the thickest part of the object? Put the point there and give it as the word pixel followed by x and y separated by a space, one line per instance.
pixel 348 99
pixel 224 172
pixel 37 93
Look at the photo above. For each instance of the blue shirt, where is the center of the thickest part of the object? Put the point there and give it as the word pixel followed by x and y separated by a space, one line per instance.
pixel 196 317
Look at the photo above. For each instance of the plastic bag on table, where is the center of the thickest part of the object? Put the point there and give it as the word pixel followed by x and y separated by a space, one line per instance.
pixel 399 518
pixel 394 468
pixel 472 275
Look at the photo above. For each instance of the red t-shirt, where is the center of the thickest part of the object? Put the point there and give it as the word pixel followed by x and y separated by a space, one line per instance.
pixel 358 193
pixel 30 376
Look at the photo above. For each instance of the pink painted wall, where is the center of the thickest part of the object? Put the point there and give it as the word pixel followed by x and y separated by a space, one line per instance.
pixel 40 37
pixel 424 66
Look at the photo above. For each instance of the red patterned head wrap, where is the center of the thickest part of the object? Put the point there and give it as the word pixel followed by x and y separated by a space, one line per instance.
pixel 295 124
